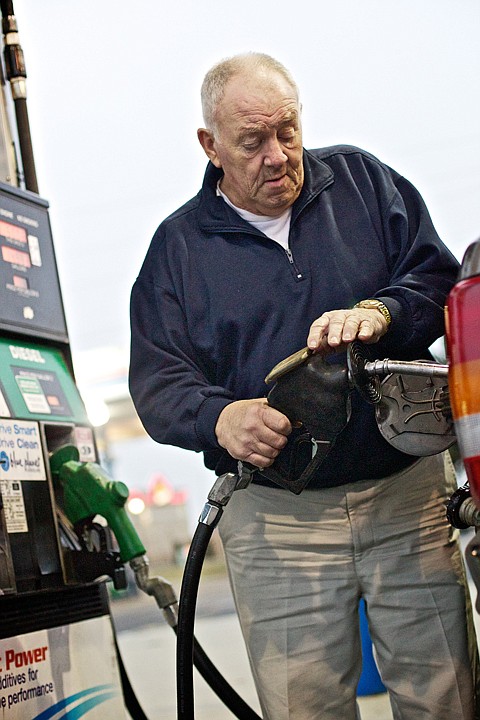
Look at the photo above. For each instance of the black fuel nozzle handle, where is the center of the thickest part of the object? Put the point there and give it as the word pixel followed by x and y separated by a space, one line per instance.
pixel 315 396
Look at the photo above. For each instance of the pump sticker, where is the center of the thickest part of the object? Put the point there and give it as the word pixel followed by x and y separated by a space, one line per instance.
pixel 66 671
pixel 32 393
pixel 34 248
pixel 85 444
pixel 21 455
pixel 14 507
pixel 42 392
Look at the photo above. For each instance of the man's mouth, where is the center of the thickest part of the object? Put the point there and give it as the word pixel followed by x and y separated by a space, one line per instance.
pixel 275 180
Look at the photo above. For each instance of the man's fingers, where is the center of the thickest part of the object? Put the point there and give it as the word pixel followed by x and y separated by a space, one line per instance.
pixel 266 453
pixel 252 430
pixel 260 461
pixel 317 332
pixel 260 453
pixel 337 327
pixel 276 421
pixel 367 330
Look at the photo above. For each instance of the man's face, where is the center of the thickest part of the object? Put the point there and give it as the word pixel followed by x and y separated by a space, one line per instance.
pixel 258 143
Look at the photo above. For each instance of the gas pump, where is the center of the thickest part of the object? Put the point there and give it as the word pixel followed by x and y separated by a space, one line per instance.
pixel 57 648
pixel 56 638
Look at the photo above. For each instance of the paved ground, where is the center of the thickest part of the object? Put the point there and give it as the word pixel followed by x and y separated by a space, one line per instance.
pixel 148 649
pixel 147 645
pixel 149 656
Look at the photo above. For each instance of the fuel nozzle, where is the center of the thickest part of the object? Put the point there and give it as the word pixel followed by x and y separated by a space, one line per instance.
pixel 88 491
pixel 158 588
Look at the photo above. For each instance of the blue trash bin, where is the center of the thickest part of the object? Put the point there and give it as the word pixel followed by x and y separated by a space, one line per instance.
pixel 370 682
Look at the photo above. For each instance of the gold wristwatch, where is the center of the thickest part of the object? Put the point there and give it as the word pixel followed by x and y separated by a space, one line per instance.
pixel 378 305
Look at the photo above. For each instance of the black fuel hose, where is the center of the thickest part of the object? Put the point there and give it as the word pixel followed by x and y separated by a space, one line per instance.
pixel 17 75
pixel 26 149
pixel 219 685
pixel 131 702
pixel 189 650
pixel 186 621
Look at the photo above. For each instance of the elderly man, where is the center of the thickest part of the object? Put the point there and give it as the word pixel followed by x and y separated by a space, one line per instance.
pixel 284 246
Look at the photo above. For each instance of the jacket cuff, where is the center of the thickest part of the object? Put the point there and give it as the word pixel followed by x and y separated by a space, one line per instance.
pixel 394 307
pixel 207 418
pixel 401 326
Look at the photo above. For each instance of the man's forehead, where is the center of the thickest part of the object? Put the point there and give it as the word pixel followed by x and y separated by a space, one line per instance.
pixel 248 111
pixel 252 120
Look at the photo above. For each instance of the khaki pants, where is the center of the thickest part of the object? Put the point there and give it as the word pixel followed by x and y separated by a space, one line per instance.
pixel 298 566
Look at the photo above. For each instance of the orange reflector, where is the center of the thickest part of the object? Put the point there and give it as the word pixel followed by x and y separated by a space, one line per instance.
pixel 464 385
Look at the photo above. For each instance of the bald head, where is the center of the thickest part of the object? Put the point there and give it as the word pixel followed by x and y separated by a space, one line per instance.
pixel 218 77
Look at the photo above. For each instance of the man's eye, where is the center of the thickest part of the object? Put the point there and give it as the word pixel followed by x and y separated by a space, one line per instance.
pixel 251 145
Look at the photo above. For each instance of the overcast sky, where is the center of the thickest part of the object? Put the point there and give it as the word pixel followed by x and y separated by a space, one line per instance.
pixel 113 97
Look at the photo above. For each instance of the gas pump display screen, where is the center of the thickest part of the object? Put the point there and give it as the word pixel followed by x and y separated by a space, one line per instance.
pixel 30 297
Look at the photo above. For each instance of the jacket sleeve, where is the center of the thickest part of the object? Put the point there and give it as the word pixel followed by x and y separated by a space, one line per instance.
pixel 422 272
pixel 168 383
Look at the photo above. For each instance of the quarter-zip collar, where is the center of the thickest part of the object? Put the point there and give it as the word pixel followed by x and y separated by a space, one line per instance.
pixel 214 215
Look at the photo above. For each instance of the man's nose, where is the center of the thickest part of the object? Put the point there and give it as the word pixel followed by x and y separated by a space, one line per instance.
pixel 274 154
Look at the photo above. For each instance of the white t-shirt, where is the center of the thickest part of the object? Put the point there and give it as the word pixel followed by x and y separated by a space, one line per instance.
pixel 276 228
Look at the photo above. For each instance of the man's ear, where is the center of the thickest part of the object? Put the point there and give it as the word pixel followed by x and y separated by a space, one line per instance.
pixel 207 142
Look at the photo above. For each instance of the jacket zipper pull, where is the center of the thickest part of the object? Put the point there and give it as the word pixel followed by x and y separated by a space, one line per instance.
pixel 289 255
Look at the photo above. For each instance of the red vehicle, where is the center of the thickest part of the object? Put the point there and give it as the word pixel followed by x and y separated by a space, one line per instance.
pixel 463 338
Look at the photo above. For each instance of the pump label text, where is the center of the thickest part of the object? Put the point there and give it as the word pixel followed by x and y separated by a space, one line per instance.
pixel 21 456
pixel 26 353
pixel 66 671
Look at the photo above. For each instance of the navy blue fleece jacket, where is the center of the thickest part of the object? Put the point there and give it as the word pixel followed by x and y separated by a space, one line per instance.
pixel 217 304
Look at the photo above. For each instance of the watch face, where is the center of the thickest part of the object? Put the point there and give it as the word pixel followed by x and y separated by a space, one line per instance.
pixel 378 305
pixel 370 304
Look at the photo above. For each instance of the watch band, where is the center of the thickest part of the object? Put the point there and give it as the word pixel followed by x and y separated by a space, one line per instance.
pixel 377 305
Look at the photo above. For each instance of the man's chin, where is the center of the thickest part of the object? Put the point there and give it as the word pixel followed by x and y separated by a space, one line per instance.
pixel 279 201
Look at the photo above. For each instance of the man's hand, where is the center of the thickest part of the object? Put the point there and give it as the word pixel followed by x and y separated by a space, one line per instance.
pixel 336 328
pixel 252 431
